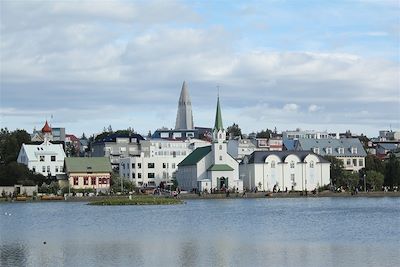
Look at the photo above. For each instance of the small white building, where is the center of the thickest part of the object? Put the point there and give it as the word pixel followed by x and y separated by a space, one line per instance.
pixel 158 161
pixel 46 158
pixel 281 170
pixel 211 167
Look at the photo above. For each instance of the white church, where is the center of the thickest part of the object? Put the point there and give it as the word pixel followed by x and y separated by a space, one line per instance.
pixel 210 167
pixel 45 158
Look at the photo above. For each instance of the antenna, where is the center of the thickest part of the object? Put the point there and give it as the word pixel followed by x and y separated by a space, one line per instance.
pixel 218 86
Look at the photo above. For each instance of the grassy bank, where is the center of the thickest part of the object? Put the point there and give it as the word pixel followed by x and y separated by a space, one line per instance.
pixel 137 200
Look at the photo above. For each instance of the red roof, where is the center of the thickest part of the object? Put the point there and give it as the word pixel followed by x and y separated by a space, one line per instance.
pixel 46 128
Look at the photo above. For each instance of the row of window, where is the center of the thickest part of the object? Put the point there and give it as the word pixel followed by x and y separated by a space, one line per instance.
pixel 328 150
pixel 92 180
pixel 42 158
pixel 292 164
pixel 150 165
pixel 47 169
pixel 353 162
pixel 150 175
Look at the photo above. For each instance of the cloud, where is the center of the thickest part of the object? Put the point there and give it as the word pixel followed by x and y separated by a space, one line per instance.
pixel 291 107
pixel 314 108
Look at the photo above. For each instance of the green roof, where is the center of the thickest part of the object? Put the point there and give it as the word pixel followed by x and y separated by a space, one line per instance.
pixel 220 167
pixel 95 164
pixel 195 156
pixel 218 118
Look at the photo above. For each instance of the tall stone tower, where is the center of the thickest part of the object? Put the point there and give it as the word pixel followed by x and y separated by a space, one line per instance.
pixel 184 117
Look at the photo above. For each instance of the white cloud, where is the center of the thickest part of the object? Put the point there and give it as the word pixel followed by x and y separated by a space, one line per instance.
pixel 291 107
pixel 314 108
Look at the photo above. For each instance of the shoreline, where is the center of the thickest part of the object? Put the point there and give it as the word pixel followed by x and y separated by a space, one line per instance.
pixel 265 195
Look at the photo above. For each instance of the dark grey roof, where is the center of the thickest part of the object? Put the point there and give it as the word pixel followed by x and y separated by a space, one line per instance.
pixel 335 144
pixel 260 156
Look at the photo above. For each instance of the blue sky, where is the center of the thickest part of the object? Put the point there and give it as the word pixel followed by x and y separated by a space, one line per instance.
pixel 321 65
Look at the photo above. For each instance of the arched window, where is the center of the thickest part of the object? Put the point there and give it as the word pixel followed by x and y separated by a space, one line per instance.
pixel 220 136
pixel 292 164
pixel 220 157
pixel 220 147
pixel 311 164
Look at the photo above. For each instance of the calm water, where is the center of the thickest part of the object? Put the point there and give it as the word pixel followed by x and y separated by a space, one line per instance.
pixel 236 232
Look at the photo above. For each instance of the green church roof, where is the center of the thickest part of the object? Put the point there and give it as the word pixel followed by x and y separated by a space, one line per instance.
pixel 218 118
pixel 220 167
pixel 95 164
pixel 195 156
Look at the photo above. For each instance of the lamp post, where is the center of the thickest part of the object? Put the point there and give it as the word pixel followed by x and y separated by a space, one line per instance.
pixel 365 183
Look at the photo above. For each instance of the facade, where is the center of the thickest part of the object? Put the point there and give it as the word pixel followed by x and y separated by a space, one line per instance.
pixel 284 170
pixel 386 135
pixel 239 148
pixel 307 134
pixel 116 147
pixel 349 150
pixel 72 140
pixel 210 167
pixel 45 158
pixel 184 117
pixel 158 161
pixel 88 173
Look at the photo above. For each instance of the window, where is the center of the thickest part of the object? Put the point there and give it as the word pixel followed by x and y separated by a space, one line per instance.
pixel 341 150
pixel 75 180
pixel 360 163
pixel 150 165
pixel 354 162
pixel 292 164
pixel 43 169
pixel 48 168
pixel 85 180
pixel 139 165
pixel 139 176
pixel 316 150
pixel 220 147
pixel 61 168
pixel 220 158
pixel 56 168
pixel 311 164
pixel 33 168
pixel 41 158
pixel 353 150
pixel 164 165
pixel 292 177
pixel 53 158
pixel 123 166
pixel 150 175
pixel 348 162
pixel 133 165
pixel 272 164
pixel 173 165
pixel 220 136
pixel 329 150
pixel 100 181
pixel 93 181
pixel 133 175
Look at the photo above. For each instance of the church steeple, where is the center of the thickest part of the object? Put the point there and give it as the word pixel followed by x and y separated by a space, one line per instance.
pixel 184 117
pixel 218 118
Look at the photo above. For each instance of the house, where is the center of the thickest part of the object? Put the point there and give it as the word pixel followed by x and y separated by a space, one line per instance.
pixel 349 150
pixel 88 173
pixel 158 161
pixel 45 158
pixel 72 141
pixel 210 167
pixel 284 170
pixel 117 146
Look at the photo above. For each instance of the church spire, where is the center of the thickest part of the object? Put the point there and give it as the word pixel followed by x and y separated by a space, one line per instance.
pixel 184 117
pixel 218 118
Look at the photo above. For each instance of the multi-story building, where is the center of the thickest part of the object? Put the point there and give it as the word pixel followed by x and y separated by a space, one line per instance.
pixel 239 148
pixel 299 134
pixel 45 158
pixel 158 160
pixel 116 147
pixel 349 150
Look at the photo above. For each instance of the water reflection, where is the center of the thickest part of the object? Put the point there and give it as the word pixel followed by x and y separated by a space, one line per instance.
pixel 13 255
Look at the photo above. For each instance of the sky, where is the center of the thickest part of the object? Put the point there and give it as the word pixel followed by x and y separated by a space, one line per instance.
pixel 314 65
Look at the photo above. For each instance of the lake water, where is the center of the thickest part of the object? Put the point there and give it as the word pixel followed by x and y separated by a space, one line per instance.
pixel 233 232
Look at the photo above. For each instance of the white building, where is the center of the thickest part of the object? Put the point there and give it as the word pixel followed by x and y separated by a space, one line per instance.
pixel 239 148
pixel 211 167
pixel 306 134
pixel 158 161
pixel 281 170
pixel 349 150
pixel 46 158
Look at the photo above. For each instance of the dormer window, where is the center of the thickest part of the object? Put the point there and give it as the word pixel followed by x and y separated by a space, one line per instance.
pixel 353 150
pixel 328 150
pixel 341 150
pixel 316 150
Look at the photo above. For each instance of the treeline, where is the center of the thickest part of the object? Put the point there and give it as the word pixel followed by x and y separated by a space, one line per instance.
pixel 377 173
pixel 10 171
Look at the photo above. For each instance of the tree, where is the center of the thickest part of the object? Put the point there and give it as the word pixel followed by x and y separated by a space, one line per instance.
pixel 10 144
pixel 348 180
pixel 373 163
pixel 71 150
pixel 337 169
pixel 392 173
pixel 264 134
pixel 374 179
pixel 233 131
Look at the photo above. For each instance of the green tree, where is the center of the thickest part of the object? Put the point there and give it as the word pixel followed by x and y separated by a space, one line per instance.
pixel 374 179
pixel 348 180
pixel 10 144
pixel 264 134
pixel 71 150
pixel 233 131
pixel 373 163
pixel 337 169
pixel 392 173
pixel 128 185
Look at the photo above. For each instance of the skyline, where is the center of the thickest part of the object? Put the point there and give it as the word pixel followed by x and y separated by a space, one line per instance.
pixel 286 64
